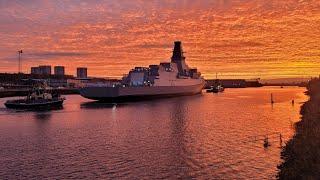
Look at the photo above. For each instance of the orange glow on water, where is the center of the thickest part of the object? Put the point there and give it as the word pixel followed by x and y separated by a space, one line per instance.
pixel 238 39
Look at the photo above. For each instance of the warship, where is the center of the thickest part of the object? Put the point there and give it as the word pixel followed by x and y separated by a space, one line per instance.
pixel 168 79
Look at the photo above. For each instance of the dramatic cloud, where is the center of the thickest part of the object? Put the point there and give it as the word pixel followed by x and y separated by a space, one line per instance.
pixel 56 54
pixel 46 55
pixel 237 38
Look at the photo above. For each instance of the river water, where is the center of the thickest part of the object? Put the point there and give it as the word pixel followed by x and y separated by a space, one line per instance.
pixel 212 136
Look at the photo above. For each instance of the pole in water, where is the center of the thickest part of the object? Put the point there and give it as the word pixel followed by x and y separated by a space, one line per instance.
pixel 266 142
pixel 292 102
pixel 271 99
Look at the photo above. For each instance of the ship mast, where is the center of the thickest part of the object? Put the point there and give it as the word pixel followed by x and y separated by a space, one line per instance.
pixel 178 57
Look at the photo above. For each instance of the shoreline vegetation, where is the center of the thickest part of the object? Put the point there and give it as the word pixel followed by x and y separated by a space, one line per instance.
pixel 301 155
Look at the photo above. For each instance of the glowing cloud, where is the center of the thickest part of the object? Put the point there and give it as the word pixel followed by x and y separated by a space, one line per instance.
pixel 238 39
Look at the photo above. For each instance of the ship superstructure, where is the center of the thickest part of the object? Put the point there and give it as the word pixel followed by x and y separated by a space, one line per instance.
pixel 172 78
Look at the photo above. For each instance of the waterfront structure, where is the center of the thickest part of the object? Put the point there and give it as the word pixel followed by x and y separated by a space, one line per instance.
pixel 233 83
pixel 59 70
pixel 172 78
pixel 82 72
pixel 78 82
pixel 62 82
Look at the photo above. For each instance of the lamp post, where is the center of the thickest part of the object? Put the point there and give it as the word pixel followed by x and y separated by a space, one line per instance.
pixel 20 65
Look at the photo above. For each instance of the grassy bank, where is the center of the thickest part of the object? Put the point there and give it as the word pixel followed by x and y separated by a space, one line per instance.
pixel 301 154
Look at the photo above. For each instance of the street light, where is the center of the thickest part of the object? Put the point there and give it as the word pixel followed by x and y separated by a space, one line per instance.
pixel 20 65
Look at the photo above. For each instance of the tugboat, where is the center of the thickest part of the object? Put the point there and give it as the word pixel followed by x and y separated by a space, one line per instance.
pixel 38 97
pixel 216 87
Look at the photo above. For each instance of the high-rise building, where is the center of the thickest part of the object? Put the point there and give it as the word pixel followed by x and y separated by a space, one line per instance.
pixel 35 70
pixel 45 70
pixel 59 70
pixel 82 72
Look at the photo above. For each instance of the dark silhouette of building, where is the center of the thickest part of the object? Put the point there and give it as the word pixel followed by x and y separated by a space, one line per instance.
pixel 35 70
pixel 45 70
pixel 82 72
pixel 41 70
pixel 59 71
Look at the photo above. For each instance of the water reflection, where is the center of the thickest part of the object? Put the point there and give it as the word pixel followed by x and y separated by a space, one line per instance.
pixel 199 136
pixel 181 156
pixel 42 116
pixel 100 105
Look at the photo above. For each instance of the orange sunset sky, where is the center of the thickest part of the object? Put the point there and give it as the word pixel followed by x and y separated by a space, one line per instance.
pixel 236 38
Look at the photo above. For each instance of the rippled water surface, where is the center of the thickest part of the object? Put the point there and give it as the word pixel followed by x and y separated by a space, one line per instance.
pixel 202 136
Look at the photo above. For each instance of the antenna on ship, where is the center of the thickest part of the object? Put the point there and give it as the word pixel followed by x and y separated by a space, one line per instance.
pixel 20 65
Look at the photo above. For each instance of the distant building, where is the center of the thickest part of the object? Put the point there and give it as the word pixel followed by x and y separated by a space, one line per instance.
pixel 45 70
pixel 59 70
pixel 35 70
pixel 41 70
pixel 82 72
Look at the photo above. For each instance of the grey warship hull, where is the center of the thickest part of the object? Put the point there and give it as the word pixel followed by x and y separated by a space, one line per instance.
pixel 121 94
pixel 168 79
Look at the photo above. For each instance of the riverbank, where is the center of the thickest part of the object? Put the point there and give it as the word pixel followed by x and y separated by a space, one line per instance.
pixel 301 154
